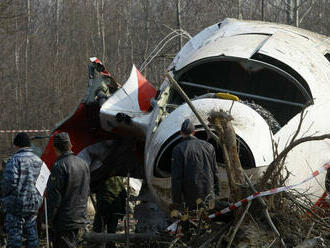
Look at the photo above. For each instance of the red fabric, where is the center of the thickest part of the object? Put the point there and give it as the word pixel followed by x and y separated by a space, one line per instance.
pixel 315 173
pixel 232 207
pixel 81 132
pixel 322 203
pixel 145 92
pixel 106 73
pixel 97 61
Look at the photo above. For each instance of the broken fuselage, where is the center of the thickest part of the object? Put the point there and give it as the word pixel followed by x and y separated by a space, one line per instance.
pixel 275 70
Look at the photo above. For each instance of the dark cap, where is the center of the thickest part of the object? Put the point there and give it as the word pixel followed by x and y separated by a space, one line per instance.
pixel 61 138
pixel 22 140
pixel 187 127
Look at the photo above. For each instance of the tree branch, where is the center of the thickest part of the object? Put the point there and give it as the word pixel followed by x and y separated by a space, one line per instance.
pixel 284 153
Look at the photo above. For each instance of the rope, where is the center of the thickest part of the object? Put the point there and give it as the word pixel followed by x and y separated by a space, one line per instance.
pixel 172 228
pixel 270 192
pixel 25 131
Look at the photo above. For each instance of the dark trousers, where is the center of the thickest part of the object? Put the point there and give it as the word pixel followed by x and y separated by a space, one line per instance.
pixel 108 221
pixel 65 239
pixel 107 216
pixel 19 226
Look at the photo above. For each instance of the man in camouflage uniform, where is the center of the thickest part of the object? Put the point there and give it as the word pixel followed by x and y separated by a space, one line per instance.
pixel 21 199
pixel 110 206
pixel 3 238
pixel 100 88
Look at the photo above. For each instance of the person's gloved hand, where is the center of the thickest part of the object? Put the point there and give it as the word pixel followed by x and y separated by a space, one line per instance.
pixel 327 198
pixel 43 227
pixel 174 213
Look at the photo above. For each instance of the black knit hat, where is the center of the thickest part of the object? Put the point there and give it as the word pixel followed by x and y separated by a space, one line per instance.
pixel 22 140
pixel 187 127
pixel 61 138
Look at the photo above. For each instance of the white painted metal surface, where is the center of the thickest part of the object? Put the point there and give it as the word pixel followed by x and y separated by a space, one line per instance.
pixel 300 54
pixel 235 46
pixel 125 100
pixel 309 156
pixel 232 27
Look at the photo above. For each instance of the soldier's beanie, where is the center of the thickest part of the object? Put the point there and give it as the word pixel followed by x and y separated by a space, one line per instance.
pixel 187 126
pixel 22 140
pixel 61 138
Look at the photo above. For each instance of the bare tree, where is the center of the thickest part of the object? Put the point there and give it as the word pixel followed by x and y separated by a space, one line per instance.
pixel 46 44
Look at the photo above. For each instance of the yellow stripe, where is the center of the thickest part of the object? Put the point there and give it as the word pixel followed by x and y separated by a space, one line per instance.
pixel 227 96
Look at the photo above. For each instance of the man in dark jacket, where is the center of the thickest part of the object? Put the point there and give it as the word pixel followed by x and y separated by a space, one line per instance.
pixel 193 168
pixel 21 199
pixel 67 194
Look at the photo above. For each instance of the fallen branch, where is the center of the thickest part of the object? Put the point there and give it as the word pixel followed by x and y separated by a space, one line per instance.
pixel 120 238
pixel 217 234
pixel 309 243
pixel 318 218
pixel 238 225
pixel 177 87
pixel 310 230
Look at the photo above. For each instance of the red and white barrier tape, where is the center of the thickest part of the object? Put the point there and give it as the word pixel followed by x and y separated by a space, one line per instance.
pixel 270 192
pixel 172 228
pixel 25 131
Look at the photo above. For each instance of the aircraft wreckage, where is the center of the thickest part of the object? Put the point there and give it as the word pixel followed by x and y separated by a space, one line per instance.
pixel 275 70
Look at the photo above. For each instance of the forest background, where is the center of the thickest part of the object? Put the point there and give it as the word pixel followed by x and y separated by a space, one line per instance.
pixel 46 44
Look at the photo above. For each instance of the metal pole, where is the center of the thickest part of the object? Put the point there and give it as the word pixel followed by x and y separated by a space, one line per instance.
pixel 127 211
pixel 46 222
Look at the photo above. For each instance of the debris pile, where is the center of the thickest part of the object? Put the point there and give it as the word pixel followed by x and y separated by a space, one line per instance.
pixel 285 219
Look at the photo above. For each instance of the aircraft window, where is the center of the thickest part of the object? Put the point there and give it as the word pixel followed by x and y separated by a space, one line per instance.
pixel 163 161
pixel 257 83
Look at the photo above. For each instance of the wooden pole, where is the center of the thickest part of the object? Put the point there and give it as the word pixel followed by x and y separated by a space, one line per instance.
pixel 102 238
pixel 179 22
pixel 187 100
pixel 262 10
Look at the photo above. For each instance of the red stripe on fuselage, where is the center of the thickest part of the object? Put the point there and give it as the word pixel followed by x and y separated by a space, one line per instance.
pixel 145 92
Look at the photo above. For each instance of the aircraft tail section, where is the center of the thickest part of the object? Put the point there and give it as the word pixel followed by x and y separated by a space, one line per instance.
pixel 127 109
